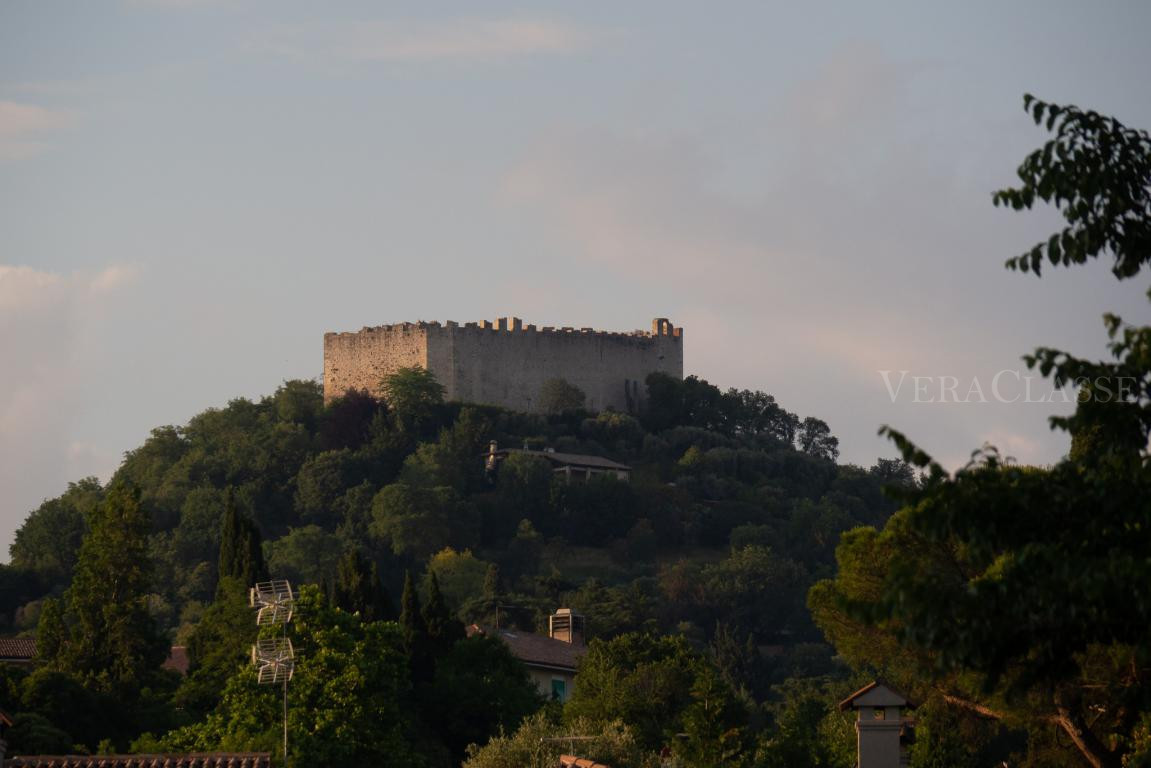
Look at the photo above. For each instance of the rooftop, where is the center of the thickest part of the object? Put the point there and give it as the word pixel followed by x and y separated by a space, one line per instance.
pixel 196 760
pixel 536 650
pixel 569 459
pixel 17 648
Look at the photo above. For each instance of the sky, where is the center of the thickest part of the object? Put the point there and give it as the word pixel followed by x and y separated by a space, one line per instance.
pixel 193 191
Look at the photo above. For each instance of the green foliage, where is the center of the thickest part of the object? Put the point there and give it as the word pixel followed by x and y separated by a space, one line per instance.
pixel 415 397
pixel 306 555
pixel 33 734
pixel 241 552
pixel 48 541
pixel 417 521
pixel 1097 172
pixel 217 646
pixel 346 702
pixel 51 633
pixel 114 641
pixel 643 680
pixel 714 724
pixel 480 689
pixel 460 575
pixel 809 730
pixel 815 439
pixel 443 629
pixel 539 742
pixel 559 395
pixel 358 589
pixel 1014 593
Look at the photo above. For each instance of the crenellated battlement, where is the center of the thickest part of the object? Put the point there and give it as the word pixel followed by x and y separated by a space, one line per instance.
pixel 506 361
pixel 659 327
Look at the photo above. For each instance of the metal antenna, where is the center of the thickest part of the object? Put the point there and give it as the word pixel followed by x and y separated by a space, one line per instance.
pixel 274 657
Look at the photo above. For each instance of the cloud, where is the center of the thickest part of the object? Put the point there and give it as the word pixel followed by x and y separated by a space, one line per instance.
pixel 461 39
pixel 847 251
pixel 47 322
pixel 25 129
pixel 167 4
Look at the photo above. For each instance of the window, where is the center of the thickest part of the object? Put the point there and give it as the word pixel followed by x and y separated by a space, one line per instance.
pixel 559 689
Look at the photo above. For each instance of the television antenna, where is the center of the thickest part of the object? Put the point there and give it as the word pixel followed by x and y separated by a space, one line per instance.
pixel 274 657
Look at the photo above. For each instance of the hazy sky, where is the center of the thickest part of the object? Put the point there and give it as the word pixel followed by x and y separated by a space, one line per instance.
pixel 193 191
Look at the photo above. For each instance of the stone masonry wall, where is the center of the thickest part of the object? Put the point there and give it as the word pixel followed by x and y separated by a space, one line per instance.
pixel 362 360
pixel 507 363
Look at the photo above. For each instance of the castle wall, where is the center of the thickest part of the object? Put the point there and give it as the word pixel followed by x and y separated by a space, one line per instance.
pixel 507 363
pixel 361 360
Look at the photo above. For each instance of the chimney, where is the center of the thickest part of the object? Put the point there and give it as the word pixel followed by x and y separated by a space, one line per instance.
pixel 566 625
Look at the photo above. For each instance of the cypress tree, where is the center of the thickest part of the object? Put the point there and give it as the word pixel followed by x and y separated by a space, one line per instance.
pixel 443 629
pixel 493 583
pixel 241 552
pixel 415 634
pixel 359 589
pixel 411 618
pixel 380 606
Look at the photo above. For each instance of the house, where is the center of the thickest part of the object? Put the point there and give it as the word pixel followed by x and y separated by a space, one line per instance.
pixel 574 467
pixel 882 733
pixel 550 659
pixel 17 650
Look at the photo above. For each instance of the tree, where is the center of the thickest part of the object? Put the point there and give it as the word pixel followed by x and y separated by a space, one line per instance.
pixel 643 680
pixel 1097 172
pixel 815 439
pixel 358 589
pixel 415 397
pixel 479 690
pixel 115 644
pixel 348 704
pixel 444 630
pixel 417 521
pixel 241 553
pixel 459 575
pixel 1023 590
pixel 51 633
pixel 559 396
pixel 305 555
pixel 48 540
pixel 539 742
pixel 219 643
pixel 414 631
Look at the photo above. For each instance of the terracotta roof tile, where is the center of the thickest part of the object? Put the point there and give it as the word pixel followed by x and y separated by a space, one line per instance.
pixel 571 761
pixel 195 760
pixel 18 648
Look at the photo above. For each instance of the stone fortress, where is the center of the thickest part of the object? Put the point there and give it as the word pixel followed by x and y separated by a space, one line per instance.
pixel 507 363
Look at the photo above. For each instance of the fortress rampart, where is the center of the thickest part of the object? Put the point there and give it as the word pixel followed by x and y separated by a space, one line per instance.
pixel 506 363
